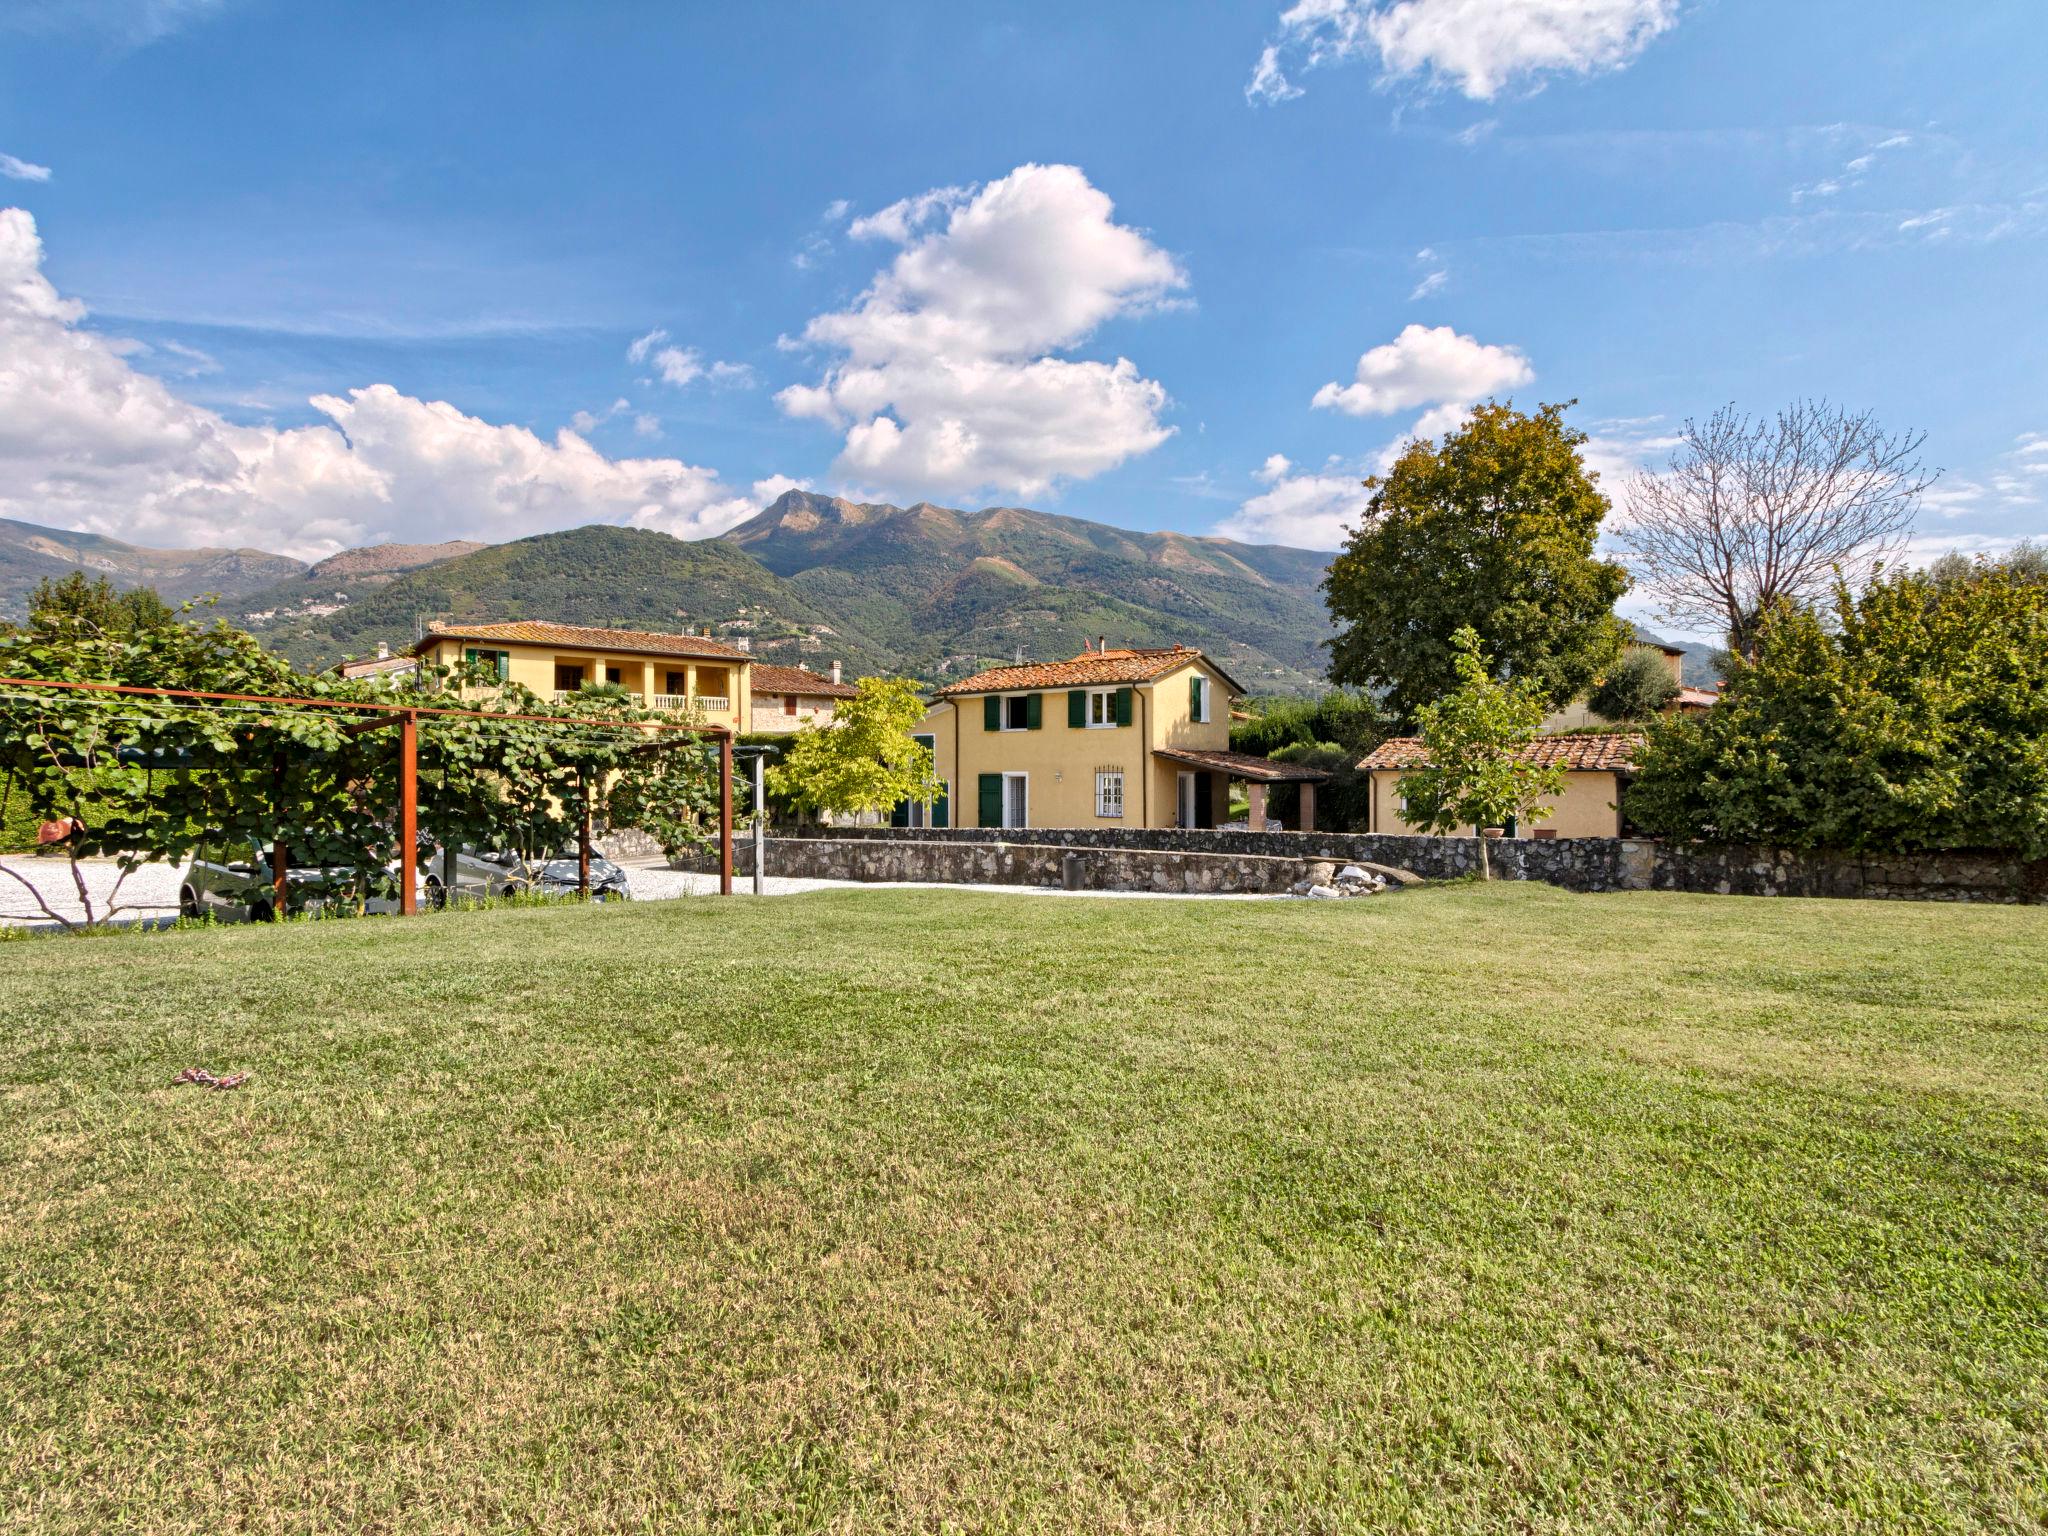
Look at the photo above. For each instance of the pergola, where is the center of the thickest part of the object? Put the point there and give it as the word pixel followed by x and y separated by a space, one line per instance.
pixel 1255 773
pixel 405 718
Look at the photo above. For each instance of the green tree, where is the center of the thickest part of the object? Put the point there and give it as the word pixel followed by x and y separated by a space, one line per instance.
pixel 1475 734
pixel 1492 531
pixel 1637 687
pixel 95 607
pixel 865 760
pixel 1915 717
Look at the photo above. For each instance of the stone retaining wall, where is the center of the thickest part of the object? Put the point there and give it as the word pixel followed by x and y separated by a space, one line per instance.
pixel 1576 863
pixel 885 860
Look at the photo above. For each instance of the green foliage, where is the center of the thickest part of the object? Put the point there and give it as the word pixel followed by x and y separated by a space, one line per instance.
pixel 865 760
pixel 1342 716
pixel 1492 531
pixel 1475 735
pixel 74 605
pixel 1917 719
pixel 141 778
pixel 1635 688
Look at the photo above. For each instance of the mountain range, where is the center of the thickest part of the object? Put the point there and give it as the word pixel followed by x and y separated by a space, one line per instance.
pixel 925 591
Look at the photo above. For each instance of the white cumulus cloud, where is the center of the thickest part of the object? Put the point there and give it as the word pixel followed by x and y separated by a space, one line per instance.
pixel 948 377
pixel 89 442
pixel 1478 46
pixel 1312 510
pixel 1426 365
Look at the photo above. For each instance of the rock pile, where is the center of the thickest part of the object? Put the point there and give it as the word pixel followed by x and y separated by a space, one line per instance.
pixel 1325 882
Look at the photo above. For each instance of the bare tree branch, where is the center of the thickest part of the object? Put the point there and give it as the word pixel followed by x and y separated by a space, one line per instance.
pixel 1753 513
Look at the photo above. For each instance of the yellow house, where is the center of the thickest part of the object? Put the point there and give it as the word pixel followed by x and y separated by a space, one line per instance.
pixel 670 672
pixel 1595 767
pixel 1111 738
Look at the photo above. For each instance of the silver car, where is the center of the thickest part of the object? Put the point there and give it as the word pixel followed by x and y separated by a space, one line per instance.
pixel 483 873
pixel 233 883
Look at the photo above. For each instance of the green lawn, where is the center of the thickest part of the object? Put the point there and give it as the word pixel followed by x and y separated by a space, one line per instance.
pixel 1458 1210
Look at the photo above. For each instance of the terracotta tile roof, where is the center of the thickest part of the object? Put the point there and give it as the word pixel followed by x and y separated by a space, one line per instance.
pixel 1590 752
pixel 1696 698
pixel 801 680
pixel 627 642
pixel 1089 668
pixel 376 666
pixel 1241 765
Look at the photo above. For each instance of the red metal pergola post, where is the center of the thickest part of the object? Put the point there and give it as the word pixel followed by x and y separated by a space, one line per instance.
pixel 725 813
pixel 408 814
pixel 280 859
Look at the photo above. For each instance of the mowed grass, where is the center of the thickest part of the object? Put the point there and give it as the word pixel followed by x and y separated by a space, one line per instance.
pixel 1458 1210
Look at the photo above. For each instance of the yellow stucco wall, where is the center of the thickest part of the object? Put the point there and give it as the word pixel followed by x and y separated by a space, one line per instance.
pixel 1587 808
pixel 533 666
pixel 1061 762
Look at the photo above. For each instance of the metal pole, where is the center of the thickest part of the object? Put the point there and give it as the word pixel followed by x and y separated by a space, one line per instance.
pixel 583 838
pixel 760 825
pixel 725 814
pixel 408 815
pixel 280 885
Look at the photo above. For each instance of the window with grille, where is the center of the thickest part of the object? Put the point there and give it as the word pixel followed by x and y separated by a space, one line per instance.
pixel 1109 791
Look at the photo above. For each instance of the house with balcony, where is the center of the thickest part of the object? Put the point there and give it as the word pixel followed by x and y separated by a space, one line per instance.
pixel 1109 738
pixel 789 698
pixel 662 671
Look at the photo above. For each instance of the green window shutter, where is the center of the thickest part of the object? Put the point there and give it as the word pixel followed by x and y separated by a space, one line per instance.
pixel 942 813
pixel 991 713
pixel 504 666
pixel 1123 706
pixel 990 786
pixel 1034 711
pixel 1194 698
pixel 1077 708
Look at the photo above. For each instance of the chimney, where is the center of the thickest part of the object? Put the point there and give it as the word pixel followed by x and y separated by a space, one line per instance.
pixel 835 671
pixel 383 651
pixel 1020 657
pixel 1101 644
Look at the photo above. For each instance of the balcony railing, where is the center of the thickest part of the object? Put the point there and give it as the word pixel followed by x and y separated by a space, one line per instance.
pixel 667 701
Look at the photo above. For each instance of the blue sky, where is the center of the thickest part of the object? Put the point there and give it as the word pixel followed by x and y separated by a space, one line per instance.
pixel 1138 278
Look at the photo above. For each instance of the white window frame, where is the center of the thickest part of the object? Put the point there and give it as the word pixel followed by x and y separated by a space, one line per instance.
pixel 1023 703
pixel 1105 700
pixel 1024 811
pixel 1109 792
pixel 1201 716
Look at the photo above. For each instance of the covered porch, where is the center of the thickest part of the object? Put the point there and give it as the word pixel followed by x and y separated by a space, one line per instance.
pixel 1255 773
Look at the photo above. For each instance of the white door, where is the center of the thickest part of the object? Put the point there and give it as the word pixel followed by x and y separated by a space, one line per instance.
pixel 1184 802
pixel 1015 802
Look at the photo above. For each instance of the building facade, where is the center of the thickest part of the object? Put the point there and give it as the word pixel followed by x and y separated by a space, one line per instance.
pixel 1596 765
pixel 789 698
pixel 661 671
pixel 1135 738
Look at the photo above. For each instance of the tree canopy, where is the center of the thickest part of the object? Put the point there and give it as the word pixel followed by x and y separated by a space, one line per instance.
pixel 1476 775
pixel 1637 687
pixel 1913 717
pixel 866 759
pixel 1493 530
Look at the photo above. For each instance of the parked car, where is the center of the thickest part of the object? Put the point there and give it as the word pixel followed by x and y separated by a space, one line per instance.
pixel 232 881
pixel 487 872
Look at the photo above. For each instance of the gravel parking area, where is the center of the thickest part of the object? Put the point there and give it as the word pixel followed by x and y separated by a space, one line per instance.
pixel 150 894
